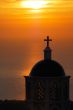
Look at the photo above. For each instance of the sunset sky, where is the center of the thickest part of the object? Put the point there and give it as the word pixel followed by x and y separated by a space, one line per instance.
pixel 23 26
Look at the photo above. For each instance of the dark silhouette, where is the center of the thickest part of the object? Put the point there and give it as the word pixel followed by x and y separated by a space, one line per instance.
pixel 47 40
pixel 13 105
pixel 47 87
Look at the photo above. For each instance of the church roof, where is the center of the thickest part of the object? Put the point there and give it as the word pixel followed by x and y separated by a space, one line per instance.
pixel 47 68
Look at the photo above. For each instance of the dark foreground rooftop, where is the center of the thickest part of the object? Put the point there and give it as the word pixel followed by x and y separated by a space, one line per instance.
pixel 13 105
pixel 21 105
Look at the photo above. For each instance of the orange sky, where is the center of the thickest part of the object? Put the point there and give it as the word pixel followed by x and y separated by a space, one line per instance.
pixel 22 31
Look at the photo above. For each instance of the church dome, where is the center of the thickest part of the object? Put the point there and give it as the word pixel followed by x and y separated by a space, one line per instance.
pixel 47 68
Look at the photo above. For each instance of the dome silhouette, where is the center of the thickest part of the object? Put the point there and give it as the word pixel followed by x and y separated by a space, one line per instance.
pixel 47 68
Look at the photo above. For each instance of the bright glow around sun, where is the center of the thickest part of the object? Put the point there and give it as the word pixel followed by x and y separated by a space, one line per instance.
pixel 34 4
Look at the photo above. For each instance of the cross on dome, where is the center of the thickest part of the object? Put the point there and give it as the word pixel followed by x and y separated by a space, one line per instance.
pixel 47 50
pixel 48 40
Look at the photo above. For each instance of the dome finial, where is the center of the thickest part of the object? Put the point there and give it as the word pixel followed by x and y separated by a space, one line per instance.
pixel 47 51
pixel 48 40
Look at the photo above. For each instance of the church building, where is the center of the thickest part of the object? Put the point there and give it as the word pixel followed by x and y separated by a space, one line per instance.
pixel 47 86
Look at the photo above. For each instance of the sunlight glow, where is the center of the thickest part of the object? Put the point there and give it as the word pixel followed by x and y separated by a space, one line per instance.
pixel 34 4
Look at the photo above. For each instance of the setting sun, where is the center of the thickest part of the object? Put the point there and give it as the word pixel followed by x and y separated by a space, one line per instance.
pixel 34 4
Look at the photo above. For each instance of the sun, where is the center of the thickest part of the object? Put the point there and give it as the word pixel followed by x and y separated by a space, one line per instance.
pixel 34 4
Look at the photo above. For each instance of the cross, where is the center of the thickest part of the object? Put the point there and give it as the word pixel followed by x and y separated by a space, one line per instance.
pixel 48 40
